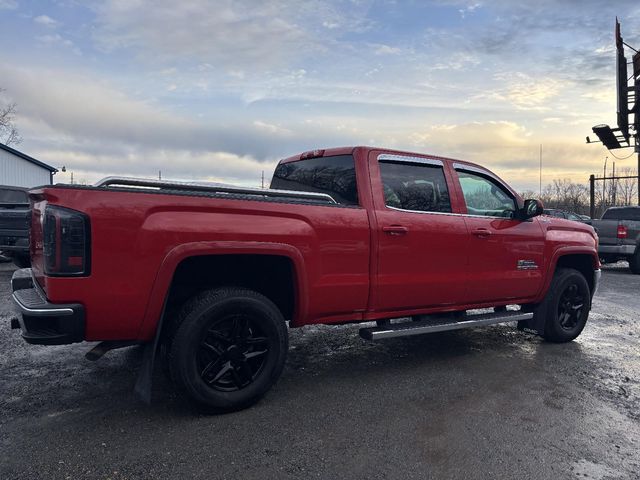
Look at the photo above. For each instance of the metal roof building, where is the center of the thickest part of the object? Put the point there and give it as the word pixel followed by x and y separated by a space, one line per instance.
pixel 21 170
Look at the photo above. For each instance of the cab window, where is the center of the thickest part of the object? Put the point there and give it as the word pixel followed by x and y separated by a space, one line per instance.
pixel 414 186
pixel 335 176
pixel 486 197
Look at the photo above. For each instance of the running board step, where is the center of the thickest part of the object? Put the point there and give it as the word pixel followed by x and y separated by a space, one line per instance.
pixel 433 325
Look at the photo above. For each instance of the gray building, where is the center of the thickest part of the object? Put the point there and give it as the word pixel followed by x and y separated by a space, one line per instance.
pixel 21 170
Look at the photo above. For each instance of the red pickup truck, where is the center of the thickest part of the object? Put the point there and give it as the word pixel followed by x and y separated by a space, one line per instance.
pixel 211 276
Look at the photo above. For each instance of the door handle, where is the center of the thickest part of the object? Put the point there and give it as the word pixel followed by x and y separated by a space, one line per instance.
pixel 482 232
pixel 395 230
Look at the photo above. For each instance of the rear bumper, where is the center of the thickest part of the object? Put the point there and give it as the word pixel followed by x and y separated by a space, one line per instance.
pixel 621 250
pixel 42 322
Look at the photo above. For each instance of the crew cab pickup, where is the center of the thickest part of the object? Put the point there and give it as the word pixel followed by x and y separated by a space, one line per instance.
pixel 619 232
pixel 212 276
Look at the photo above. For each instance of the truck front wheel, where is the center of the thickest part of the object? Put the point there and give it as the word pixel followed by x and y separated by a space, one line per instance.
pixel 566 306
pixel 228 349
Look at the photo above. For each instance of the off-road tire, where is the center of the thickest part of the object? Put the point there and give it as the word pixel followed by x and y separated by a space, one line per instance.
pixel 197 345
pixel 564 318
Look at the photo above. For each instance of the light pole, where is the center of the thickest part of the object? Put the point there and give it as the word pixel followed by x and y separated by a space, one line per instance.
pixel 604 182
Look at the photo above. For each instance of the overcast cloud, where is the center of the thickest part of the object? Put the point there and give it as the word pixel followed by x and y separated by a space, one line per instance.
pixel 220 90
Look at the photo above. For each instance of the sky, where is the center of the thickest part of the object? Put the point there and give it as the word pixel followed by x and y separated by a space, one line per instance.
pixel 221 90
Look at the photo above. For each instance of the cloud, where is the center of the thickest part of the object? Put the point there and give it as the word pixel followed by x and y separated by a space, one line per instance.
pixel 512 151
pixel 58 40
pixel 229 35
pixel 386 50
pixel 482 138
pixel 8 5
pixel 526 92
pixel 210 166
pixel 469 8
pixel 46 20
pixel 81 118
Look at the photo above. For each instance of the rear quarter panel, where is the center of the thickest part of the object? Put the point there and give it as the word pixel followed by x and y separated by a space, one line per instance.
pixel 133 234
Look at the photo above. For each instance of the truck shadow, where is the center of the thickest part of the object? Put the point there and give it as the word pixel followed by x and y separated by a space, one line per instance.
pixel 321 358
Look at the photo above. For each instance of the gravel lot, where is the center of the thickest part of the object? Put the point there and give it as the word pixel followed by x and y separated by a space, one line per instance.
pixel 484 403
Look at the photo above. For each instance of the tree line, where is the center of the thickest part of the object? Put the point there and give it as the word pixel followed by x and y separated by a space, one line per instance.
pixel 574 197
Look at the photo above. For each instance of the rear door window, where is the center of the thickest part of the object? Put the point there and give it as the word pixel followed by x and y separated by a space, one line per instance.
pixel 335 176
pixel 414 186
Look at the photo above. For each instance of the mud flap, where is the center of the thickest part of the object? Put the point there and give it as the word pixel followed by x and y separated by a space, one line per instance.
pixel 536 324
pixel 144 383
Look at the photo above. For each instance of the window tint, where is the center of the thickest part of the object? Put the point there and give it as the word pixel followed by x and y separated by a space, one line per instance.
pixel 335 176
pixel 622 214
pixel 412 186
pixel 629 213
pixel 486 197
pixel 13 196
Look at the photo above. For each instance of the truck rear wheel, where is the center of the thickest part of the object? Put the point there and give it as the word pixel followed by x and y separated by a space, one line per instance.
pixel 229 348
pixel 566 306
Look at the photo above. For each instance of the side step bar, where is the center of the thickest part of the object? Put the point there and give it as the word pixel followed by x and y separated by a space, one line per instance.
pixel 432 325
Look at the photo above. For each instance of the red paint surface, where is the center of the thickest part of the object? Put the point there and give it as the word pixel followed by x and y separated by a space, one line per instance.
pixel 351 264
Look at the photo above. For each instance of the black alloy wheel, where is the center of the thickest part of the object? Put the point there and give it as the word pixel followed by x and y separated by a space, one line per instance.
pixel 232 353
pixel 570 307
pixel 227 347
pixel 566 307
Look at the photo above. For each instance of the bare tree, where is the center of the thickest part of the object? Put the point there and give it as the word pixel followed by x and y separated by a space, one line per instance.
pixel 626 189
pixel 566 195
pixel 8 132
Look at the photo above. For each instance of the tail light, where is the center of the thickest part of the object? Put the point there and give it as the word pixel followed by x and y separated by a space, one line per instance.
pixel 66 238
pixel 622 231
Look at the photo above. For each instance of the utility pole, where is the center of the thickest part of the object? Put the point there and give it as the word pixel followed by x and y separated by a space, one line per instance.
pixel 540 170
pixel 159 174
pixel 604 183
pixel 262 183
pixel 592 195
pixel 613 185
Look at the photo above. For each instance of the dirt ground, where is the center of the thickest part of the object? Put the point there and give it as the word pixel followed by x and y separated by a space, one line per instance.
pixel 487 403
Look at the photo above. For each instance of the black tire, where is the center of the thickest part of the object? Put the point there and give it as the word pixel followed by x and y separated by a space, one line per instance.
pixel 566 307
pixel 634 263
pixel 228 348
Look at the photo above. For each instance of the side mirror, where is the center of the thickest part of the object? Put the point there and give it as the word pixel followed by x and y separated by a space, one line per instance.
pixel 532 208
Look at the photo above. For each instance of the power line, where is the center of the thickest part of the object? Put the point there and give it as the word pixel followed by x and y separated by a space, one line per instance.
pixel 623 158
